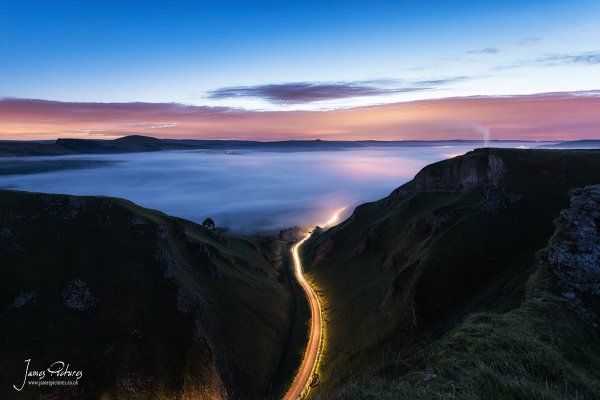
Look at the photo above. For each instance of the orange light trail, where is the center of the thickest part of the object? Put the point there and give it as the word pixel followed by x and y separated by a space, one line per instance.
pixel 303 377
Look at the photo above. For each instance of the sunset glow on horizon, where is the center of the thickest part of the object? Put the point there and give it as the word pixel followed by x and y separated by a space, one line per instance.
pixel 553 116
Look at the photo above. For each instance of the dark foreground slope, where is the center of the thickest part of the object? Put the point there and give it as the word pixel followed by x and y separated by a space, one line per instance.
pixel 146 305
pixel 461 285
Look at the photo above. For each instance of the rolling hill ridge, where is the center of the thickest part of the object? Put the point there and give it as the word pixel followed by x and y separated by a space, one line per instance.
pixel 443 286
pixel 146 305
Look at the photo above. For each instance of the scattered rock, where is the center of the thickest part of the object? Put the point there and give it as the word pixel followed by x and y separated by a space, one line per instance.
pixel 495 171
pixel 75 206
pixel 77 296
pixel 274 248
pixel 292 234
pixel 21 299
pixel 187 301
pixel 403 385
pixel 323 250
pixel 436 221
pixel 428 376
pixel 574 254
pixel 569 295
pixel 211 261
pixel 137 220
pixel 8 242
pixel 5 234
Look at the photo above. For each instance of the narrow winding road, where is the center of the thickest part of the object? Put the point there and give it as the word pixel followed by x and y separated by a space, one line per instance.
pixel 309 361
pixel 303 376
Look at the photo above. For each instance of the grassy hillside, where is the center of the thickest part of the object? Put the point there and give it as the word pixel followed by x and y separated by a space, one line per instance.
pixel 146 305
pixel 426 290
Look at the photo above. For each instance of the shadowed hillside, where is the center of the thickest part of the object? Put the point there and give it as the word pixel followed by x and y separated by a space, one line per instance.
pixel 146 305
pixel 440 289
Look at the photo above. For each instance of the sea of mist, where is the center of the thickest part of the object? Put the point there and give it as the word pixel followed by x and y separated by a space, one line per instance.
pixel 246 191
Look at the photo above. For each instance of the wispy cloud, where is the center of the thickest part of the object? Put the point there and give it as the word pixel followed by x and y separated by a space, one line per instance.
pixel 588 58
pixel 529 41
pixel 434 83
pixel 486 50
pixel 307 92
pixel 552 60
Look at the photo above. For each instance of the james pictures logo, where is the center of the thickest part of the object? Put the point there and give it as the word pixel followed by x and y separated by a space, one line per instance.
pixel 57 374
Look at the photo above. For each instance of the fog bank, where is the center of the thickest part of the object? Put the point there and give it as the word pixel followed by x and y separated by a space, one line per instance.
pixel 248 192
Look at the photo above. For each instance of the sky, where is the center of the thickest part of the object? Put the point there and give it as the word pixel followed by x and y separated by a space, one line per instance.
pixel 271 70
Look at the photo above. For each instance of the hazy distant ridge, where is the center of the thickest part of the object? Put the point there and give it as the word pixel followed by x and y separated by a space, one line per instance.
pixel 138 143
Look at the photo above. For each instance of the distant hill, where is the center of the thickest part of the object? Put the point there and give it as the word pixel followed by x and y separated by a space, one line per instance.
pixel 575 144
pixel 138 143
pixel 467 282
pixel 127 144
pixel 24 149
pixel 146 305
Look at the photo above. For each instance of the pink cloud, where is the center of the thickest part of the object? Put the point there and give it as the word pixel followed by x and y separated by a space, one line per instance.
pixel 549 116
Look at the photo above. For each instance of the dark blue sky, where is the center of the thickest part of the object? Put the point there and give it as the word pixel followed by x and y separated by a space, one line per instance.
pixel 158 51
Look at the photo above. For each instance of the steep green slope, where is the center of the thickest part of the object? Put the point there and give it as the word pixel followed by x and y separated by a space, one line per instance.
pixel 146 305
pixel 405 278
